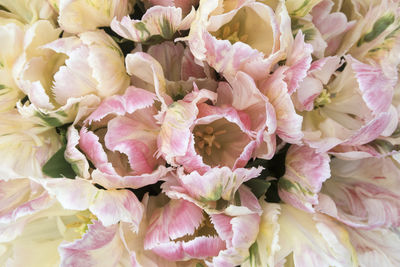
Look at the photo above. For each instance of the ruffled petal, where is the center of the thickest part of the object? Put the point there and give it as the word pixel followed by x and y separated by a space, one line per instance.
pixel 306 170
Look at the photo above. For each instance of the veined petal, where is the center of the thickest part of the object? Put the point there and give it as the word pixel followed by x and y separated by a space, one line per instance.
pixel 112 206
pixel 110 181
pixel 288 122
pixel 89 143
pixel 81 16
pixel 263 251
pixel 376 247
pixel 157 20
pixel 216 183
pixel 312 240
pixel 306 170
pixel 25 146
pixel 177 219
pixel 362 193
pixel 297 62
pixel 100 245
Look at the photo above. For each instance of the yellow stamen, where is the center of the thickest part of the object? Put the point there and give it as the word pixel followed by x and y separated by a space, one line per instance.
pixel 209 139
pixel 323 99
pixel 217 145
pixel 225 32
pixel 220 132
pixel 209 129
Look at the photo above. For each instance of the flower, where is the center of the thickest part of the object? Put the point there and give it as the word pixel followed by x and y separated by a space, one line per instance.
pixel 24 146
pixel 362 193
pixel 79 16
pixel 305 173
pixel 57 74
pixel 334 120
pixel 120 139
pixel 157 21
pixel 304 239
pixel 180 231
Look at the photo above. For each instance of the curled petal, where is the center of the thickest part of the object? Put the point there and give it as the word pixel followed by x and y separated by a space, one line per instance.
pixel 157 20
pixel 100 245
pixel 177 219
pixel 313 240
pixel 362 193
pixel 306 170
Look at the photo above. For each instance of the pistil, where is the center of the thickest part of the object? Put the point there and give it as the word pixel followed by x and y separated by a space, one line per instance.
pixel 206 139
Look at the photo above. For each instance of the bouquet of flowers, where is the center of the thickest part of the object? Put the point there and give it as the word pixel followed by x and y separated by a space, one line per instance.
pixel 199 133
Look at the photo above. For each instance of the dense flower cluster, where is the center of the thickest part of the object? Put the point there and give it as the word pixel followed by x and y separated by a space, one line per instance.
pixel 199 133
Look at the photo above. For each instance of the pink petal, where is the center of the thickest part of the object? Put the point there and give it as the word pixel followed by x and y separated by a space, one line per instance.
pixel 362 193
pixel 157 20
pixel 98 247
pixel 298 61
pixel 135 136
pixel 306 170
pixel 110 181
pixel 176 219
pixel 376 88
pixel 133 99
pixel 289 123
pixel 90 145
pixel 112 206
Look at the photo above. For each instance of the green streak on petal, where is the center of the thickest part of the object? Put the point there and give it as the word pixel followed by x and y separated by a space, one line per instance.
pixel 216 194
pixel 142 28
pixel 1 65
pixel 2 86
pixel 379 26
pixel 286 184
pixel 50 121
pixel 309 34
pixel 62 113
pixel 304 9
pixel 296 25
pixel 254 255
pixel 166 29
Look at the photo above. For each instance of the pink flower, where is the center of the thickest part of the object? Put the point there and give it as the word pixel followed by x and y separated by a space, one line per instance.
pixel 219 189
pixel 306 170
pixel 200 136
pixel 163 21
pixel 181 231
pixel 120 139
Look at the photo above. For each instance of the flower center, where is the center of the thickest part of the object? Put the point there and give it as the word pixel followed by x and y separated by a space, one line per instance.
pixel 231 33
pixel 205 139
pixel 81 225
pixel 323 99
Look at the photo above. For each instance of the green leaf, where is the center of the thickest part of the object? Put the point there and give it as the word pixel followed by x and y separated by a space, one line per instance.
pixel 259 187
pixel 57 166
